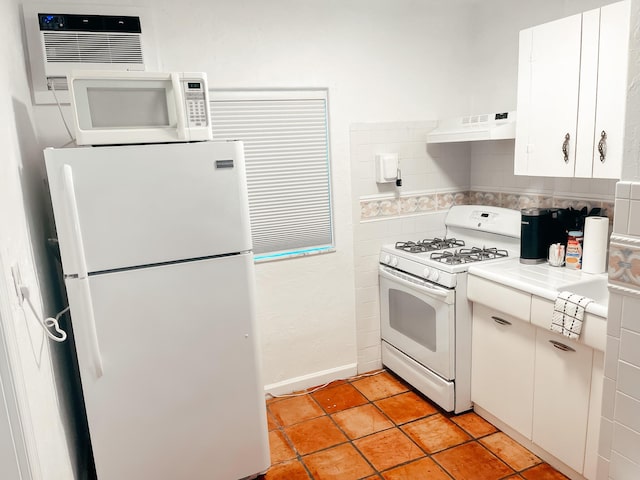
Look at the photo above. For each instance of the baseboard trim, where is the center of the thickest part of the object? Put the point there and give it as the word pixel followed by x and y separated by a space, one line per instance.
pixel 311 380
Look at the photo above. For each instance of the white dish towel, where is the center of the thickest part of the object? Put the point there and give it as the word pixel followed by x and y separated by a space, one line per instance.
pixel 568 314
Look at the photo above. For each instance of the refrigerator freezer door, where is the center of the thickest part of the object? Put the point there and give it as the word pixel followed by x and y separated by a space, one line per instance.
pixel 180 396
pixel 146 204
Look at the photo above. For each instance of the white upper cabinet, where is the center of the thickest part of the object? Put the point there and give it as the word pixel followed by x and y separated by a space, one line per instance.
pixel 571 95
pixel 611 97
pixel 548 81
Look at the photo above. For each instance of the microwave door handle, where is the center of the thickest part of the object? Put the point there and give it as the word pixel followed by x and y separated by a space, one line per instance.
pixel 81 265
pixel 181 120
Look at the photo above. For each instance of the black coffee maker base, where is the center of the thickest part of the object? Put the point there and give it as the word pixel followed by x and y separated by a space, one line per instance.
pixel 532 261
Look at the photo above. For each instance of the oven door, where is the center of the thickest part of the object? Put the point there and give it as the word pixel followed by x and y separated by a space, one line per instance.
pixel 418 318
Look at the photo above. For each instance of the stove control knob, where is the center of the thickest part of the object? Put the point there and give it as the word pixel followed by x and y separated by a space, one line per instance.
pixel 386 259
pixel 426 272
pixel 394 262
pixel 435 275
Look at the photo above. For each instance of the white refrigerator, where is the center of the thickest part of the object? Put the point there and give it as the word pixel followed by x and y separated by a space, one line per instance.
pixel 156 254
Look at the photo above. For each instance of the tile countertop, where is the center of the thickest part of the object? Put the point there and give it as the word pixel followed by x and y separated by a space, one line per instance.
pixel 541 280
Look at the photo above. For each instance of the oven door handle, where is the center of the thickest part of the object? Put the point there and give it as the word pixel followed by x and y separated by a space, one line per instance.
pixel 421 286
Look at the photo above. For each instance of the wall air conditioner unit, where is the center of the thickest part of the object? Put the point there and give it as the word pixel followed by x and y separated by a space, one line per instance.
pixel 64 37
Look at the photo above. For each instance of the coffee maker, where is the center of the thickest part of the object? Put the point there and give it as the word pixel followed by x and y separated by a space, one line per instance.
pixel 535 235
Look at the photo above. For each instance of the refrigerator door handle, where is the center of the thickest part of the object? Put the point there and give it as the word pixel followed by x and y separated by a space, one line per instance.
pixel 91 325
pixel 81 262
pixel 76 233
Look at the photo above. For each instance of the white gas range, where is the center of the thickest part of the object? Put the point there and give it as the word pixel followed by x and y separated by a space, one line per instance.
pixel 424 312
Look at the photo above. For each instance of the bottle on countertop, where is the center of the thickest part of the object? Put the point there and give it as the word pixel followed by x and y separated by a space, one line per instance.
pixel 573 254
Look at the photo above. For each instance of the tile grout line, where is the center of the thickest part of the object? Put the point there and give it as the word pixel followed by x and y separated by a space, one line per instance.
pixel 394 425
pixel 398 426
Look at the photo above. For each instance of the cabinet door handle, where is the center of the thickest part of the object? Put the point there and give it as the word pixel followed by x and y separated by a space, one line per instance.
pixel 501 321
pixel 562 346
pixel 565 148
pixel 602 146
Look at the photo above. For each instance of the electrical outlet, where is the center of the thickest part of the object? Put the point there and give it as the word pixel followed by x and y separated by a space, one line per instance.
pixel 17 282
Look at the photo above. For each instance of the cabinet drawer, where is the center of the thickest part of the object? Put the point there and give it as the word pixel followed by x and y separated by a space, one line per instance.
pixel 500 297
pixel 594 328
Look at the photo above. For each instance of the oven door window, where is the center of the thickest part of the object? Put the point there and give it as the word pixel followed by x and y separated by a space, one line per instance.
pixel 420 324
pixel 413 318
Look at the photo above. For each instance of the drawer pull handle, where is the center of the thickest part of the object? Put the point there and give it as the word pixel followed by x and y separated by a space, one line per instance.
pixel 501 321
pixel 562 346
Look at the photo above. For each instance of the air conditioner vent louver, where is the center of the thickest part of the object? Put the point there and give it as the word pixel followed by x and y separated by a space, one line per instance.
pixel 81 47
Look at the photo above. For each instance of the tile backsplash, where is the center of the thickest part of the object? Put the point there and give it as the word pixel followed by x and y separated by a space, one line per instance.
pixel 417 203
pixel 410 204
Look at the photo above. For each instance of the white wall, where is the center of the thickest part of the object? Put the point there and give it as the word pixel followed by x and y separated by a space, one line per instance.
pixel 22 244
pixel 382 61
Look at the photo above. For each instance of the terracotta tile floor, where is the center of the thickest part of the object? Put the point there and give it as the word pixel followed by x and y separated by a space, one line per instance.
pixel 377 427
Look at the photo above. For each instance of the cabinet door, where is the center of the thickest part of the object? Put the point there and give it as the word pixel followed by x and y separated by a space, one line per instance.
pixel 612 89
pixel 587 96
pixel 548 82
pixel 502 367
pixel 562 385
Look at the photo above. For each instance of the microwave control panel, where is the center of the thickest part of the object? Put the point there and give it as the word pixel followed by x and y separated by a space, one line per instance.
pixel 195 99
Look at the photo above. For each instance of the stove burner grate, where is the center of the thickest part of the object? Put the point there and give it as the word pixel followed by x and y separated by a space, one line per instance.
pixel 429 245
pixel 411 247
pixel 442 243
pixel 468 255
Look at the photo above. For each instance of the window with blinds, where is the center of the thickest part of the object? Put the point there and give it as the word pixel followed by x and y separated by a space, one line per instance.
pixel 286 139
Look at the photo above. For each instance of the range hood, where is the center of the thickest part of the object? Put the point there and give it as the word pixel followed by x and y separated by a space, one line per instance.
pixel 487 126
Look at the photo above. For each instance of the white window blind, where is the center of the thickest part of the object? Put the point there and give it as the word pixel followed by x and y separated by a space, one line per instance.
pixel 286 140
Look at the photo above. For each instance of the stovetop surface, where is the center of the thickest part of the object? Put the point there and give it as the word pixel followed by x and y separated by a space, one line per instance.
pixel 474 234
pixel 447 258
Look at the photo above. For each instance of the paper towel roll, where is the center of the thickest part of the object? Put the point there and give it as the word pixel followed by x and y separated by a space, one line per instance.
pixel 594 248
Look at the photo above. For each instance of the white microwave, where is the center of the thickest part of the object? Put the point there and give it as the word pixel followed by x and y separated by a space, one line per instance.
pixel 113 108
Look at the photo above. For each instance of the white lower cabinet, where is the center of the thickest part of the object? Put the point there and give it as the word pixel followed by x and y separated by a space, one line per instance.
pixel 503 367
pixel 562 386
pixel 542 385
